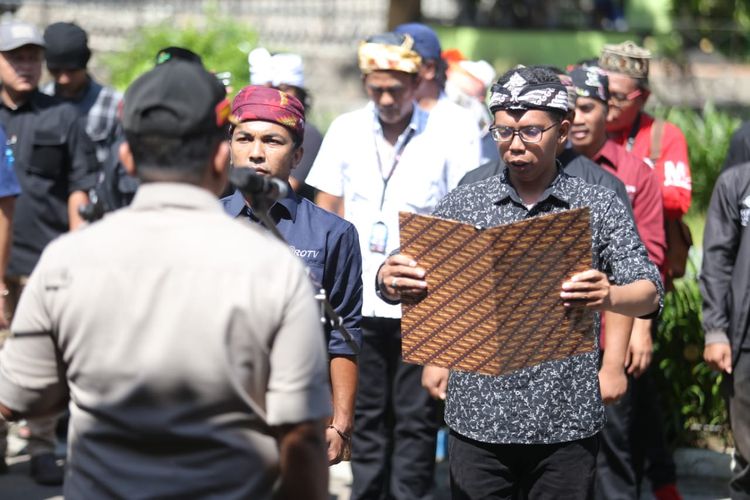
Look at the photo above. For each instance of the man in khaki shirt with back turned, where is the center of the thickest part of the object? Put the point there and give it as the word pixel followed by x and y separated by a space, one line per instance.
pixel 193 369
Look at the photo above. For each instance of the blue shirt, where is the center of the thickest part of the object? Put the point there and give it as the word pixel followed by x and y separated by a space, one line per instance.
pixel 329 246
pixel 8 181
pixel 354 161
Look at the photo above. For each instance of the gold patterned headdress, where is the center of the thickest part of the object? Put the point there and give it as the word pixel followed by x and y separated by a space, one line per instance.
pixel 389 51
pixel 626 58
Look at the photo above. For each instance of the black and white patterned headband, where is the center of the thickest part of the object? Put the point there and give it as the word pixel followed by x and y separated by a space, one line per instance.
pixel 591 81
pixel 518 94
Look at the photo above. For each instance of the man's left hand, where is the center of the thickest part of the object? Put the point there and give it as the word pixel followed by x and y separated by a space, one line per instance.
pixel 589 289
pixel 401 278
pixel 338 447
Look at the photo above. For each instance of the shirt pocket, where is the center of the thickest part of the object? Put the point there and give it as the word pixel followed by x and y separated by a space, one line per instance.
pixel 362 186
pixel 423 194
pixel 48 154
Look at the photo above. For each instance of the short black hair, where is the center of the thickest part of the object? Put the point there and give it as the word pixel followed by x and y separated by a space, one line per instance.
pixel 535 75
pixel 176 158
pixel 642 83
pixel 301 93
pixel 441 72
pixel 591 61
pixel 555 69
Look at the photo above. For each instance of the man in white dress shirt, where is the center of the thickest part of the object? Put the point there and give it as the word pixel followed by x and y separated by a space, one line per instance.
pixel 373 163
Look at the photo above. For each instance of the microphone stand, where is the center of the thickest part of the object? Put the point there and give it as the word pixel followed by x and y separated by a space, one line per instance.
pixel 261 205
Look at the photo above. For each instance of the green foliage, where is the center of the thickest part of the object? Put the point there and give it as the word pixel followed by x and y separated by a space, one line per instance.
pixel 222 43
pixel 692 401
pixel 725 23
pixel 707 133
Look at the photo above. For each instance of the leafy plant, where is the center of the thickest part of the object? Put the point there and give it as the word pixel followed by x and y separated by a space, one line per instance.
pixel 222 43
pixel 692 402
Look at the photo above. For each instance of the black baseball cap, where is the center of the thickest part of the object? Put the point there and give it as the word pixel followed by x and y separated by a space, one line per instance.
pixel 174 53
pixel 179 99
pixel 67 46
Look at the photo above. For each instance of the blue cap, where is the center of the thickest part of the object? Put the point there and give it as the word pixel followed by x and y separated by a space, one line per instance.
pixel 426 42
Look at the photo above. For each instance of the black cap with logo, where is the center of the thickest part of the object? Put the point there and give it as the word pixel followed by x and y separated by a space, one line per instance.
pixel 174 53
pixel 179 99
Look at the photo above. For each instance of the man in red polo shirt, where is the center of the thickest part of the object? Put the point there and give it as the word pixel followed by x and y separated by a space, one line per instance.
pixel 663 147
pixel 627 65
pixel 589 137
pixel 616 462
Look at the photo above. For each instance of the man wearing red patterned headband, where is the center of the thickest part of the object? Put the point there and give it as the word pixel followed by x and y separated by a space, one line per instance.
pixel 373 163
pixel 268 139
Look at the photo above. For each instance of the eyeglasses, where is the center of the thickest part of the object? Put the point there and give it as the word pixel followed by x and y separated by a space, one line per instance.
pixel 623 98
pixel 395 91
pixel 529 135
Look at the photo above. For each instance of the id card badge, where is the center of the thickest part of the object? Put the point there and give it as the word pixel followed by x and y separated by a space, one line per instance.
pixel 378 237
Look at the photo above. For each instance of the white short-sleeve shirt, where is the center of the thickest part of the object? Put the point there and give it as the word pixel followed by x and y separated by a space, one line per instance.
pixel 353 161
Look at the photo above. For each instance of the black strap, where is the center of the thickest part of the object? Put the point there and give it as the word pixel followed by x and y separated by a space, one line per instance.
pixel 396 161
pixel 633 132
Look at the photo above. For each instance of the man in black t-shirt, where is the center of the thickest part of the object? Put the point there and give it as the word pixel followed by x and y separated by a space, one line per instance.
pixel 55 163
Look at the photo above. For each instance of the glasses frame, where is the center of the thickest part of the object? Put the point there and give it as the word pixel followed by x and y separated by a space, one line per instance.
pixel 517 132
pixel 627 97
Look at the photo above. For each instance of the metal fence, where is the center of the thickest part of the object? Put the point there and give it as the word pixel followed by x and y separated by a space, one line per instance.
pixel 324 32
pixel 296 24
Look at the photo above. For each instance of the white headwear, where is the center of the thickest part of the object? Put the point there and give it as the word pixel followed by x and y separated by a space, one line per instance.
pixel 481 70
pixel 275 69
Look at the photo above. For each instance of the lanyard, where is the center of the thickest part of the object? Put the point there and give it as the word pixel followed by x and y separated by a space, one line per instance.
pixel 633 132
pixel 396 160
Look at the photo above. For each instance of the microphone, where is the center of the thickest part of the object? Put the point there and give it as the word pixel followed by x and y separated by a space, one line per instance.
pixel 253 184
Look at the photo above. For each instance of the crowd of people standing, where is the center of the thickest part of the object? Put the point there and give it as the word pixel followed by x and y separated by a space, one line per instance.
pixel 187 344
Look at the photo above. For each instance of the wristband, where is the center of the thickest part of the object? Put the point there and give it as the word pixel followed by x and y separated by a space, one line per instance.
pixel 345 436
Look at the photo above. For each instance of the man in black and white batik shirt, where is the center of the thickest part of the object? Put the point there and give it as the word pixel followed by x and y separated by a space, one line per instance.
pixel 533 433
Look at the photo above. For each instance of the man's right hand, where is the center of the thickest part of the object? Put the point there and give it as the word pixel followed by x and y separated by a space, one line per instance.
pixel 640 349
pixel 718 356
pixel 613 384
pixel 400 278
pixel 435 380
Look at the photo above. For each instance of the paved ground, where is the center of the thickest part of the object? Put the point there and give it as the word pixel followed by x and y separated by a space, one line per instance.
pixel 17 485
pixel 702 474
